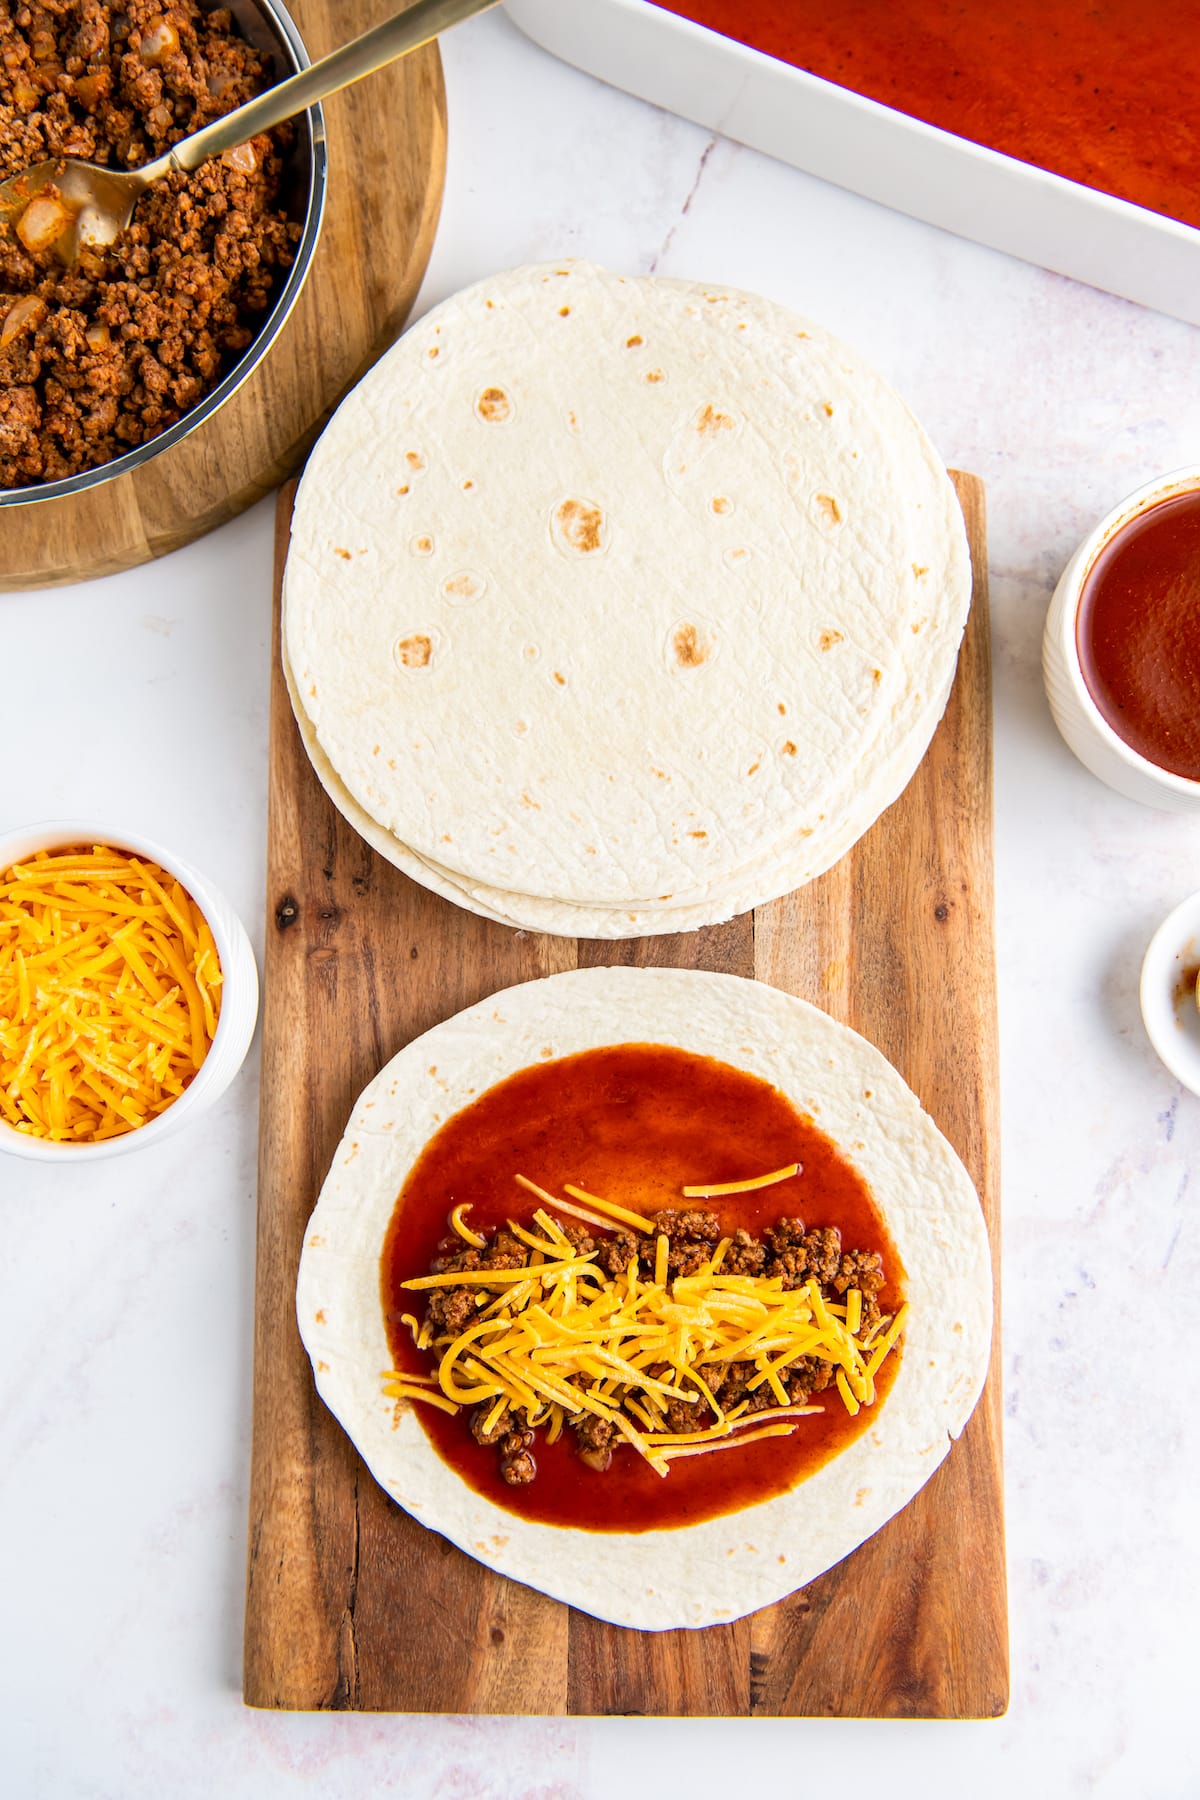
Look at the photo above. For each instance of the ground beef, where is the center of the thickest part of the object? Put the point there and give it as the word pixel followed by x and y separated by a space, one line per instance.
pixel 580 1240
pixel 745 1256
pixel 516 1464
pixel 618 1251
pixel 808 1375
pixel 480 1429
pixel 451 1309
pixel 120 348
pixel 785 1250
pixel 693 1236
pixel 796 1254
pixel 594 1440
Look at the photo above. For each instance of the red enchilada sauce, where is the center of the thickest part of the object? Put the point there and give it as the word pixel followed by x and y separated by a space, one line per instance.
pixel 633 1123
pixel 1138 634
pixel 1101 91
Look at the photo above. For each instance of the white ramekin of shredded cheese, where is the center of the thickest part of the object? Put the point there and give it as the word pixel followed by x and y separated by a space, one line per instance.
pixel 113 1036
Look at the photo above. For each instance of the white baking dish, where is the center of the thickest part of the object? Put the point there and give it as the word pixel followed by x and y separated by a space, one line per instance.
pixel 875 150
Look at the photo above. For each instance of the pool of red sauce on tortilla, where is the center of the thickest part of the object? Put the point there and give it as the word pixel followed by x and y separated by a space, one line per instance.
pixel 1137 632
pixel 634 1123
pixel 1100 94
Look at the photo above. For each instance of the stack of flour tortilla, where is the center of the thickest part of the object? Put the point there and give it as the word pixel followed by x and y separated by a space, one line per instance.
pixel 620 605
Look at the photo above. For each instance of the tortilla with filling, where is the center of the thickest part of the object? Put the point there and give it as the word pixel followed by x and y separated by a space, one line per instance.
pixel 725 1567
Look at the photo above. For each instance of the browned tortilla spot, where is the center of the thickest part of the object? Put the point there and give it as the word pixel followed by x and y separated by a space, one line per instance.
pixel 655 375
pixel 830 508
pixel 829 639
pixel 462 587
pixel 415 651
pixel 711 422
pixel 561 679
pixel 494 406
pixel 789 749
pixel 344 554
pixel 690 652
pixel 580 525
pixel 720 504
pixel 563 311
pixel 413 460
pixel 631 343
pixel 920 569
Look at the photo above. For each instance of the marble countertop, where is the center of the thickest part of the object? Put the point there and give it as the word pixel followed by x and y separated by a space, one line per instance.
pixel 125 1328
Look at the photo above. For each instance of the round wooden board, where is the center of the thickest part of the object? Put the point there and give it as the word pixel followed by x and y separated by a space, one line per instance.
pixel 387 163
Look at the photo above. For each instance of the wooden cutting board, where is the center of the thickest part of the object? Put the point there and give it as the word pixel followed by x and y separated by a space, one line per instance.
pixel 351 1603
pixel 387 162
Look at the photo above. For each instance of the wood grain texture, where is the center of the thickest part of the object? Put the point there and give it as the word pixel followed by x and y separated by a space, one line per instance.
pixel 387 161
pixel 349 1602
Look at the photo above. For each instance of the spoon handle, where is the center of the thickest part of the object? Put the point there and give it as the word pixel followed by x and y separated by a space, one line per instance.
pixel 408 30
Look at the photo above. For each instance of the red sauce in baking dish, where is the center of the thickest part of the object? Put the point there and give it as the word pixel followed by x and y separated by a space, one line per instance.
pixel 1101 91
pixel 635 1123
pixel 1138 633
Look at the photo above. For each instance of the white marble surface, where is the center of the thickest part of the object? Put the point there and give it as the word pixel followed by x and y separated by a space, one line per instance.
pixel 125 1327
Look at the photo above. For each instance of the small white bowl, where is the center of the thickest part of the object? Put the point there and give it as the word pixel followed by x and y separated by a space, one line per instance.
pixel 1168 992
pixel 1076 714
pixel 239 991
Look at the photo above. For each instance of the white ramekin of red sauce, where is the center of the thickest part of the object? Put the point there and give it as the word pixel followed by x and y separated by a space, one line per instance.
pixel 1121 649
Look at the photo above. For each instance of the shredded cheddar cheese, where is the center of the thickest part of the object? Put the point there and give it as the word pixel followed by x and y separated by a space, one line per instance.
pixel 458 1223
pixel 109 993
pixel 558 1337
pixel 741 1187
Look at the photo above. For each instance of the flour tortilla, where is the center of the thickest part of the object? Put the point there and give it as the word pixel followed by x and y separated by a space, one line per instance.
pixel 723 1568
pixel 588 714
pixel 558 917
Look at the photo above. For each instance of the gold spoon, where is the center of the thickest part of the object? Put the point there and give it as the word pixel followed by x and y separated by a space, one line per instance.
pixel 87 207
